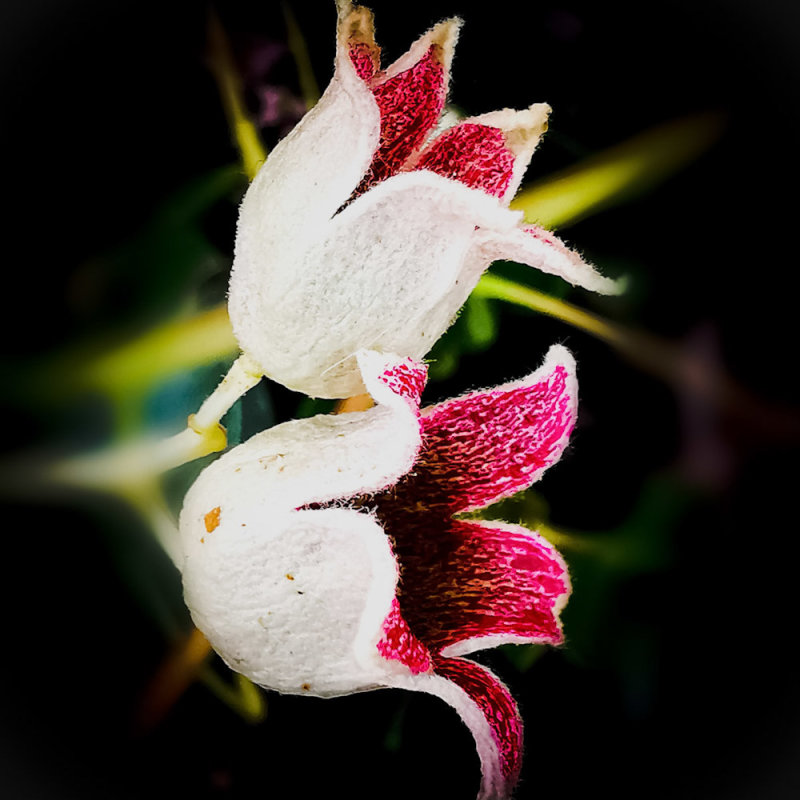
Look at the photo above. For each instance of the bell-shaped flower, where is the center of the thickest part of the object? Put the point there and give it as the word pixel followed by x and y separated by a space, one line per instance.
pixel 363 230
pixel 327 556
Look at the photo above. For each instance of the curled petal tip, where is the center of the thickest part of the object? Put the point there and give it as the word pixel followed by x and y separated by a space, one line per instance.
pixel 439 41
pixel 611 287
pixel 356 22
pixel 356 40
pixel 618 286
pixel 343 8
pixel 387 376
pixel 445 35
pixel 526 128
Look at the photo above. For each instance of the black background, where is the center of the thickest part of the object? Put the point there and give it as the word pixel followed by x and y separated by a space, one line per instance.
pixel 107 108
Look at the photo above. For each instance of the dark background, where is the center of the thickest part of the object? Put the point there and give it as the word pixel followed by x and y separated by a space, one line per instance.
pixel 690 687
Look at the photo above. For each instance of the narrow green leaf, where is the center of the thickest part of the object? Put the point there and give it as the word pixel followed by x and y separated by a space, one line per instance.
pixel 299 51
pixel 620 173
pixel 251 148
pixel 480 323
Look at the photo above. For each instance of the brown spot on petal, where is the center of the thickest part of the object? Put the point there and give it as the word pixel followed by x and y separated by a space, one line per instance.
pixel 289 576
pixel 306 687
pixel 212 519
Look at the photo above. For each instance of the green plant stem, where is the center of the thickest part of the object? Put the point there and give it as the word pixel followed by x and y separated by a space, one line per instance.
pixel 123 468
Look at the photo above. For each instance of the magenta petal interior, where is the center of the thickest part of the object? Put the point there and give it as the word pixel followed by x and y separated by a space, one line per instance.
pixel 473 154
pixel 464 580
pixel 410 104
pixel 497 706
pixel 362 55
pixel 491 444
pixel 406 379
pixel 398 643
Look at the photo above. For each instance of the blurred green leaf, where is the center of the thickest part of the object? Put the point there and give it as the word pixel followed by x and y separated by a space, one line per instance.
pixel 474 331
pixel 523 656
pixel 244 698
pixel 155 270
pixel 299 51
pixel 444 357
pixel 620 173
pixel 252 151
pixel 139 362
pixel 480 324
pixel 601 563
pixel 311 406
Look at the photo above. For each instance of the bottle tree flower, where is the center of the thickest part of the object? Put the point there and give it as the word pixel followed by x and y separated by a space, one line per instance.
pixel 363 230
pixel 326 556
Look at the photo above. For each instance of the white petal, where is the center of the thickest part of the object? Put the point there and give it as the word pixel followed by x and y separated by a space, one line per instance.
pixel 495 785
pixel 543 250
pixel 324 457
pixel 523 131
pixel 290 600
pixel 390 274
pixel 295 599
pixel 311 172
pixel 309 175
pixel 444 34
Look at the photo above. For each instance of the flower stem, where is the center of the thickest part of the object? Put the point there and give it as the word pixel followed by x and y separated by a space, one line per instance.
pixel 243 375
pixel 126 467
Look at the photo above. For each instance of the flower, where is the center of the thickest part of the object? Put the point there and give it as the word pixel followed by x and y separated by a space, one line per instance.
pixel 326 556
pixel 363 231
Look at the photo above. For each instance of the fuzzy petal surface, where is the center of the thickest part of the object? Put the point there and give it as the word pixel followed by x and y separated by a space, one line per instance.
pixel 291 600
pixel 411 95
pixel 489 152
pixel 480 584
pixel 295 598
pixel 490 444
pixel 389 274
pixel 543 250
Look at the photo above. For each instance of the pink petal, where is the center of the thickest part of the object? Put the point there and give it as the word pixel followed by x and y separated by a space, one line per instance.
pixel 364 61
pixel 410 101
pixel 402 376
pixel 468 585
pixel 357 35
pixel 494 443
pixel 487 709
pixel 398 643
pixel 500 711
pixel 475 155
pixel 488 152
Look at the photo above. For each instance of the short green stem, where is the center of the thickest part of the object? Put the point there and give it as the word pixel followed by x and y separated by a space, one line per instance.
pixel 125 467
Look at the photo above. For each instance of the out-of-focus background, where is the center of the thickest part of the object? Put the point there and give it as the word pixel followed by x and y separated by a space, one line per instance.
pixel 679 492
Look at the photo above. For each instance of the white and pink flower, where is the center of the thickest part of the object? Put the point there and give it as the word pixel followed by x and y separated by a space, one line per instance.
pixel 327 556
pixel 363 230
